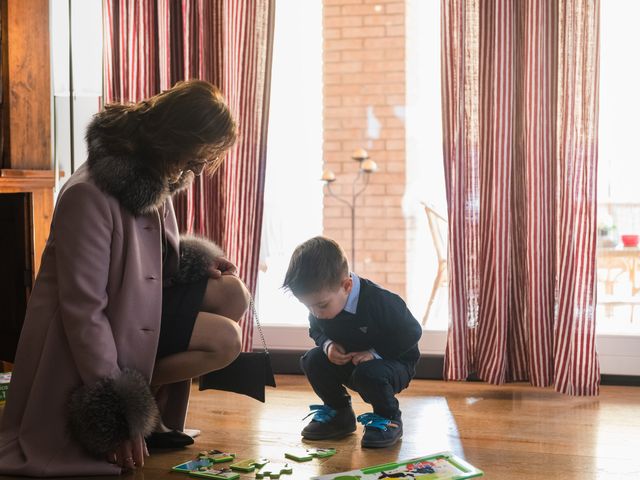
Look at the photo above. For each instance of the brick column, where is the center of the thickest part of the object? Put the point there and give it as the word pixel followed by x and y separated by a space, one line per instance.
pixel 364 98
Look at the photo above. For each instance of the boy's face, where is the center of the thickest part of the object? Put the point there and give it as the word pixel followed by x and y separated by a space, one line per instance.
pixel 327 303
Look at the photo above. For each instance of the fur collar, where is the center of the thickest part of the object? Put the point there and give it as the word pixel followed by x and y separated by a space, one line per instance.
pixel 138 187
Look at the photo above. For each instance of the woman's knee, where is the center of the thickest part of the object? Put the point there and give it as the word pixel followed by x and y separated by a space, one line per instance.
pixel 239 296
pixel 227 296
pixel 229 344
pixel 221 343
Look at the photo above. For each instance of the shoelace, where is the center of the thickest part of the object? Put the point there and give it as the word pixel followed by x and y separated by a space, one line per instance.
pixel 321 413
pixel 374 421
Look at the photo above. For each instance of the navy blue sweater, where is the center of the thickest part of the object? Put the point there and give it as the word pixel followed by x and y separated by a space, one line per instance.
pixel 382 321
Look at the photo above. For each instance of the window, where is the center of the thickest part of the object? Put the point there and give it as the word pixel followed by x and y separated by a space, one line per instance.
pixel 426 241
pixel 86 37
pixel 348 76
pixel 618 171
pixel 293 191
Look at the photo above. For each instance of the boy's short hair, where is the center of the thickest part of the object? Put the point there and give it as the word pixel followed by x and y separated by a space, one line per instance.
pixel 317 264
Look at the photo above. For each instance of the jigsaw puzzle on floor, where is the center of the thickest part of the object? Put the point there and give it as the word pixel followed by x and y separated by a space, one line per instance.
pixel 306 454
pixel 441 466
pixel 217 473
pixel 274 470
pixel 205 465
pixel 248 465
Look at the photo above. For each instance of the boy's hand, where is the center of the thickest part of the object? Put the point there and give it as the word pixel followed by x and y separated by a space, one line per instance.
pixel 221 266
pixel 361 357
pixel 336 354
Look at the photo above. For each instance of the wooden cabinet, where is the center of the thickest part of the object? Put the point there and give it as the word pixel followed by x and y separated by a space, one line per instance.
pixel 26 176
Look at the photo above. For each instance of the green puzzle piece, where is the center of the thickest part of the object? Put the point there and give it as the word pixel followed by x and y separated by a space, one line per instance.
pixel 217 473
pixel 216 456
pixel 274 470
pixel 306 454
pixel 248 465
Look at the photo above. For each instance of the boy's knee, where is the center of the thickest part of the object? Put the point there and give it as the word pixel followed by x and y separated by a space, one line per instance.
pixel 311 360
pixel 367 373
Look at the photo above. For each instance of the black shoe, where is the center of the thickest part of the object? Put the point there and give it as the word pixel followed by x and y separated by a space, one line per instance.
pixel 329 423
pixel 379 432
pixel 170 439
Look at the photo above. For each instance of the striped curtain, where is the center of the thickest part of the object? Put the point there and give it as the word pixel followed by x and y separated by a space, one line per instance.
pixel 520 104
pixel 151 44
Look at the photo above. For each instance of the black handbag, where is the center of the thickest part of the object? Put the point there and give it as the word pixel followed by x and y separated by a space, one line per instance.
pixel 248 374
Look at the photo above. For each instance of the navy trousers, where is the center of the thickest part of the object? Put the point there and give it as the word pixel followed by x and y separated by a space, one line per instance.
pixel 377 381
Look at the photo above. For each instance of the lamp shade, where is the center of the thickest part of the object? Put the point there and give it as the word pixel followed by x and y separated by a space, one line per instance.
pixel 369 166
pixel 328 176
pixel 359 154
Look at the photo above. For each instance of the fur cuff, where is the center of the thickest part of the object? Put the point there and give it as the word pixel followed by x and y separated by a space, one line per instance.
pixel 196 256
pixel 112 410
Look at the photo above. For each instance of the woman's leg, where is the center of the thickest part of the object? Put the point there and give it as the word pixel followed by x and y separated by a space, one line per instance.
pixel 215 343
pixel 216 340
pixel 226 296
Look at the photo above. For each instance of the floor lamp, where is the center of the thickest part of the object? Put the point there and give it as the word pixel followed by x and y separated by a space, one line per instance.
pixel 366 167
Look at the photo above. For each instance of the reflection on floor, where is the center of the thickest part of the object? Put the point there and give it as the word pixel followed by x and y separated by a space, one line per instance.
pixel 511 432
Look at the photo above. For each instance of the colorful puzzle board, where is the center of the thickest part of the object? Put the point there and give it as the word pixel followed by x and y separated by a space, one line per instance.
pixel 441 466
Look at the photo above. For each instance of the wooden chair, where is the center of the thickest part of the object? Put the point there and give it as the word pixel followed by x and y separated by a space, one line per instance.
pixel 614 264
pixel 436 221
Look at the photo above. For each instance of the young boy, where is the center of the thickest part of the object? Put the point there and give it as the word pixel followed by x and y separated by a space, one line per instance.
pixel 366 340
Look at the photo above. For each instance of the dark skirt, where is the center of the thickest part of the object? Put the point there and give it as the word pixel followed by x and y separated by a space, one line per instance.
pixel 180 307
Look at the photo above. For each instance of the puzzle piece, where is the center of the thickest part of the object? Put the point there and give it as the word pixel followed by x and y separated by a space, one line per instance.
pixel 217 456
pixel 216 473
pixel 249 465
pixel 193 465
pixel 306 454
pixel 204 460
pixel 274 470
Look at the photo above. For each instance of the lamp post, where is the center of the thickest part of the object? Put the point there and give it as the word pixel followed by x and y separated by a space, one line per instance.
pixel 366 167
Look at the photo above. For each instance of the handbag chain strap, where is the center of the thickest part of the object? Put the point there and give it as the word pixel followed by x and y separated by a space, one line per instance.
pixel 257 320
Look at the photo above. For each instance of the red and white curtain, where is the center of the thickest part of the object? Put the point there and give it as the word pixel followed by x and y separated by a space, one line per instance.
pixel 520 124
pixel 151 44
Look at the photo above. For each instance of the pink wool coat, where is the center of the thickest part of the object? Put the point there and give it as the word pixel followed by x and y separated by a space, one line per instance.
pixel 91 330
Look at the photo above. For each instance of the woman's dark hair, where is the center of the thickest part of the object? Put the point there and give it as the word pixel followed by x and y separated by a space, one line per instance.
pixel 189 121
pixel 315 265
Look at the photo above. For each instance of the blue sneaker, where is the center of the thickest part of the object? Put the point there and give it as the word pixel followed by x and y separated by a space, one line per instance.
pixel 329 423
pixel 379 432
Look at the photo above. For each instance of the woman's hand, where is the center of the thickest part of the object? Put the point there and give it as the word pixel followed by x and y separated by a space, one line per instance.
pixel 336 354
pixel 361 357
pixel 221 266
pixel 130 454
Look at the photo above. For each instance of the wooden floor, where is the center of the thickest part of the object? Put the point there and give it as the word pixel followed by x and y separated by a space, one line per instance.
pixel 511 432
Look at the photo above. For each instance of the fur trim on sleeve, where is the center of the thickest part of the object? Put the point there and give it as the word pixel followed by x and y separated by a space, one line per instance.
pixel 196 255
pixel 112 410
